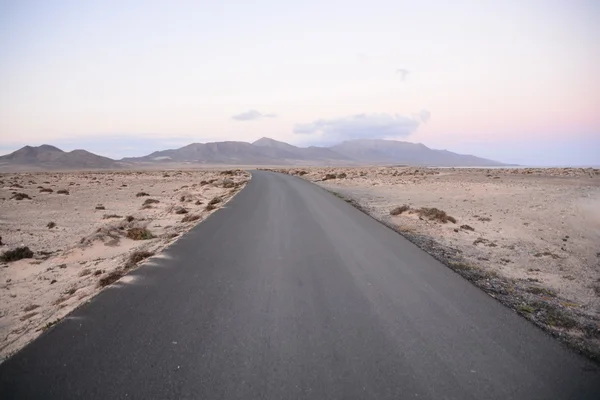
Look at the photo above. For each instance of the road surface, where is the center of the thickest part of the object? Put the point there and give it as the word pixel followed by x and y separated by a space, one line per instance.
pixel 290 293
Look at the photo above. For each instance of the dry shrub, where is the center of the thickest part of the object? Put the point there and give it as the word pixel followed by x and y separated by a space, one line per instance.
pixel 139 234
pixel 227 172
pixel 484 219
pixel 150 201
pixel 215 200
pixel 30 307
pixel 202 183
pixel 141 194
pixel 190 218
pixel 51 224
pixel 138 256
pixel 16 254
pixel 228 183
pixel 20 196
pixel 210 207
pixel 109 216
pixel 399 210
pixel 329 176
pixel 100 207
pixel 111 278
pixel 129 218
pixel 435 214
pixel 301 173
pixel 341 176
pixel 467 227
pixel 181 210
pixel 46 190
pixel 63 191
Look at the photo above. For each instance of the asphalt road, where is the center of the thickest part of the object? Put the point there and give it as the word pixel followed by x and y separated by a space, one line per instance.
pixel 290 293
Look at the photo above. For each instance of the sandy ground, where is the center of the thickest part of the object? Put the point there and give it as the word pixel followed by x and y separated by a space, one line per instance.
pixel 88 241
pixel 529 237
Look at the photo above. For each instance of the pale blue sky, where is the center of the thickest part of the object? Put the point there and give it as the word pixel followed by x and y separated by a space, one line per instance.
pixel 516 81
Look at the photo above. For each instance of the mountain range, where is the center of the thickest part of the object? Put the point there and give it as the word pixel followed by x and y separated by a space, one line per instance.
pixel 264 151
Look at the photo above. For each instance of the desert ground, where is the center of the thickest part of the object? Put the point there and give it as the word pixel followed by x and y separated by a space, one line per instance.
pixel 528 237
pixel 81 231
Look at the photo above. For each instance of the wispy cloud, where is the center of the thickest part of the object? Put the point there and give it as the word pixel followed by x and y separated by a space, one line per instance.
pixel 362 126
pixel 252 115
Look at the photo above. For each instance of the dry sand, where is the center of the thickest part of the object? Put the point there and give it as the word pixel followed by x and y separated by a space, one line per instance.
pixel 535 238
pixel 89 240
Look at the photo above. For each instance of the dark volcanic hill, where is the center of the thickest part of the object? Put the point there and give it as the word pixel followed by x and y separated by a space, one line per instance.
pixel 264 151
pixel 50 157
pixel 378 151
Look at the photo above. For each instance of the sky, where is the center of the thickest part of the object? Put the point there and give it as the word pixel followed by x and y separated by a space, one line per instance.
pixel 515 81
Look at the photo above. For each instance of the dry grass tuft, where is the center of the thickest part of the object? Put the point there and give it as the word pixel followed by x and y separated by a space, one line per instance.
pixel 63 191
pixel 181 210
pixel 399 210
pixel 139 234
pixel 138 256
pixel 190 218
pixel 150 201
pixel 141 194
pixel 129 218
pixel 100 207
pixel 20 196
pixel 109 216
pixel 467 227
pixel 215 200
pixel 51 224
pixel 109 279
pixel 16 254
pixel 435 214
pixel 46 190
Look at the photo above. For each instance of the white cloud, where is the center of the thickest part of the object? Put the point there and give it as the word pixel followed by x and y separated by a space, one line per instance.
pixel 362 126
pixel 252 115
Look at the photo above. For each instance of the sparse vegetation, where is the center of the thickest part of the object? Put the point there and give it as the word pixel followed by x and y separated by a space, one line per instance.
pixel 214 200
pixel 228 183
pixel 30 307
pixel 329 176
pixel 399 210
pixel 100 207
pixel 138 256
pixel 129 218
pixel 141 194
pixel 139 234
pixel 210 207
pixel 202 183
pixel 20 196
pixel 46 190
pixel 484 219
pixel 434 214
pixel 341 176
pixel 16 254
pixel 62 191
pixel 547 254
pixel 109 216
pixel 467 227
pixel 190 218
pixel 51 224
pixel 150 201
pixel 541 291
pixel 110 278
pixel 181 210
